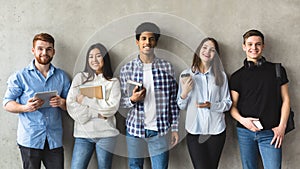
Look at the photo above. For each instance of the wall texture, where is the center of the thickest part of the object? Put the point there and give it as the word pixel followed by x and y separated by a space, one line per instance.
pixel 77 24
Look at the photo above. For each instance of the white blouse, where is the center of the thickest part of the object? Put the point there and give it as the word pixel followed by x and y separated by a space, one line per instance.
pixel 205 120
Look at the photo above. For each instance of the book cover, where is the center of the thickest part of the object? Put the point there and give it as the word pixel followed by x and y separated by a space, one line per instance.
pixel 131 85
pixel 92 91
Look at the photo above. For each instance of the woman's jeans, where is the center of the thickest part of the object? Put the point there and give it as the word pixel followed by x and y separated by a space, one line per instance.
pixel 251 143
pixel 84 148
pixel 157 146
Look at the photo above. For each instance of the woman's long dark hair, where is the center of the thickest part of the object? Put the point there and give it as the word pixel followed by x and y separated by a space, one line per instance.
pixel 106 69
pixel 215 63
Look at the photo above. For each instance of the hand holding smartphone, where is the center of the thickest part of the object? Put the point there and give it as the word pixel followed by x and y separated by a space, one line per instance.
pixel 186 82
pixel 257 124
pixel 185 75
pixel 205 104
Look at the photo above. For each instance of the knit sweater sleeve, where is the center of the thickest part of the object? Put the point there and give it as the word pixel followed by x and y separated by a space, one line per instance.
pixel 79 112
pixel 108 106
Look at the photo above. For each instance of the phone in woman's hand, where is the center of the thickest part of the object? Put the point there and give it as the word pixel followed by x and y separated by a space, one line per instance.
pixel 185 75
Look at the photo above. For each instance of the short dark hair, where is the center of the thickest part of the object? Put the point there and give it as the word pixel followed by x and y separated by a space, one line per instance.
pixel 253 32
pixel 147 27
pixel 43 37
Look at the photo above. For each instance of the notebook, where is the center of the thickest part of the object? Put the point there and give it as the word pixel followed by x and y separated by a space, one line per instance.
pixel 92 91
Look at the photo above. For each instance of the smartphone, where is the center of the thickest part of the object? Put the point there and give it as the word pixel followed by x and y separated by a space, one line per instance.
pixel 185 75
pixel 140 88
pixel 257 124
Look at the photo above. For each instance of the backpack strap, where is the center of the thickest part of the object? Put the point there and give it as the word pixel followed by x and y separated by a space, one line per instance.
pixel 278 70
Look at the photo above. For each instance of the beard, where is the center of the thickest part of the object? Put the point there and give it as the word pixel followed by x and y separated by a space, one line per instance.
pixel 42 60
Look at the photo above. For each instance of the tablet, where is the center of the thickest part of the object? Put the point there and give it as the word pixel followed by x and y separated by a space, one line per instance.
pixel 45 96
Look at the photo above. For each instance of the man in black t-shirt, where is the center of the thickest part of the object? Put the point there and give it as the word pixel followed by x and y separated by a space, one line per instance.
pixel 260 115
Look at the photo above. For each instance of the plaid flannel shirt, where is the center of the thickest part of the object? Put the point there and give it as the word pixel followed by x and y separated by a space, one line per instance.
pixel 165 87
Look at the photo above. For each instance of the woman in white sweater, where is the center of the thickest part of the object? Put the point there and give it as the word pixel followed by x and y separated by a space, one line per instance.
pixel 95 123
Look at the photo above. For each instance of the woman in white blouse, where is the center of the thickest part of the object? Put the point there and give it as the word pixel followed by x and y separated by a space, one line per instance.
pixel 204 94
pixel 95 123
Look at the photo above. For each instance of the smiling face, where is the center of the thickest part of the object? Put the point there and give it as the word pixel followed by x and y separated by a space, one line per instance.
pixel 96 60
pixel 43 52
pixel 207 51
pixel 253 48
pixel 146 44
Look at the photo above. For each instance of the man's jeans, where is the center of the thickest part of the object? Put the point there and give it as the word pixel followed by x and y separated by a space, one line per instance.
pixel 51 158
pixel 156 145
pixel 252 143
pixel 84 148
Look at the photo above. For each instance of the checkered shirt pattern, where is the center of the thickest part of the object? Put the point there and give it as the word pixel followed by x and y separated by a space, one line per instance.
pixel 165 87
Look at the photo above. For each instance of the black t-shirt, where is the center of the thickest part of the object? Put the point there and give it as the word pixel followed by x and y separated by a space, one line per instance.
pixel 258 93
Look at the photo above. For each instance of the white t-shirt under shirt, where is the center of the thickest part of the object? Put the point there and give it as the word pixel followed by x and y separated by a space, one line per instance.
pixel 149 101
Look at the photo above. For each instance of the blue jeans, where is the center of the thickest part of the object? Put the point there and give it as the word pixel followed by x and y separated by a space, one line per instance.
pixel 251 143
pixel 157 146
pixel 84 149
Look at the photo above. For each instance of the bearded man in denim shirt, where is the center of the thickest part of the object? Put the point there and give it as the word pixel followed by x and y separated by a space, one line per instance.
pixel 40 127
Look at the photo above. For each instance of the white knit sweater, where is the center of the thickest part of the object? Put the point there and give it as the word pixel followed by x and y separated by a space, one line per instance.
pixel 87 124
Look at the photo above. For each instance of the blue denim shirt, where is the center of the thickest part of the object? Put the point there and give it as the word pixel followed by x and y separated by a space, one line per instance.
pixel 35 127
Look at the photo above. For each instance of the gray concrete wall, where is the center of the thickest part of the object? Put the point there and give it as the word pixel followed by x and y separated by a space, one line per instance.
pixel 77 24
